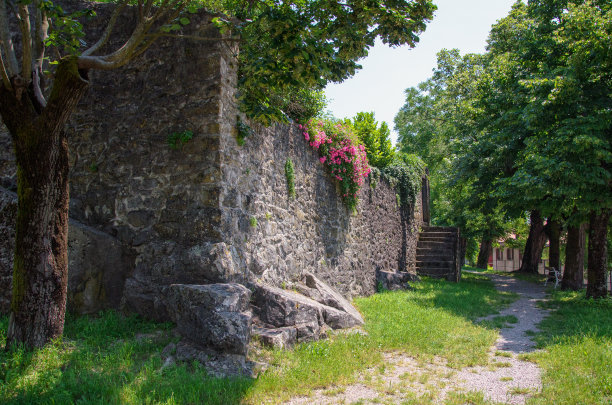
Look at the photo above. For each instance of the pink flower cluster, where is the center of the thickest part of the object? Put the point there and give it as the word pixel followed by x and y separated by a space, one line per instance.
pixel 347 162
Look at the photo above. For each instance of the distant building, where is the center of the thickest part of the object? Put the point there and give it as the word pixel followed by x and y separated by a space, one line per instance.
pixel 505 258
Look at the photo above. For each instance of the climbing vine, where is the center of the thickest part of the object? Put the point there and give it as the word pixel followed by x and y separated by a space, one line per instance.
pixel 289 174
pixel 405 174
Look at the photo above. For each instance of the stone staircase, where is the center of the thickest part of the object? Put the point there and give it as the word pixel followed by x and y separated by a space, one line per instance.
pixel 437 253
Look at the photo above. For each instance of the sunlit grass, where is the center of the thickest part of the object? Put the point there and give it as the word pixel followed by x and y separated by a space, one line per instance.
pixel 577 356
pixel 112 359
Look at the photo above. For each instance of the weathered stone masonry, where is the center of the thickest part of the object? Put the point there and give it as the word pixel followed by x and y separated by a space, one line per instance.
pixel 185 216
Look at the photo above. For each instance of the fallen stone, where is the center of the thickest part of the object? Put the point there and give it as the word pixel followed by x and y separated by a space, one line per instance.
pixel 217 364
pixel 394 281
pixel 330 297
pixel 279 338
pixel 215 316
pixel 278 308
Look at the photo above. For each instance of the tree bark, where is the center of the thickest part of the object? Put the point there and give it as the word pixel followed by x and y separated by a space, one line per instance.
pixel 597 265
pixel 462 248
pixel 40 272
pixel 483 254
pixel 535 244
pixel 553 231
pixel 573 276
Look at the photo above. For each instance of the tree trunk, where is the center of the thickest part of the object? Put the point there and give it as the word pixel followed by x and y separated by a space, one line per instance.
pixel 573 275
pixel 462 249
pixel 535 244
pixel 597 265
pixel 40 271
pixel 553 229
pixel 483 254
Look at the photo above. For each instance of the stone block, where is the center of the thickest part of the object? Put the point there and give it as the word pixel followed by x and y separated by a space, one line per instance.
pixel 279 338
pixel 394 280
pixel 215 316
pixel 330 297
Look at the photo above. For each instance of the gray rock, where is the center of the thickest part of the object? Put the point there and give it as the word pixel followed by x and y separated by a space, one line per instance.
pixel 217 364
pixel 394 281
pixel 278 308
pixel 216 316
pixel 280 338
pixel 330 297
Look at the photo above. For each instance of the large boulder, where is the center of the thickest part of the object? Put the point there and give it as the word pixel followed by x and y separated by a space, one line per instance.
pixel 394 280
pixel 326 295
pixel 215 316
pixel 280 308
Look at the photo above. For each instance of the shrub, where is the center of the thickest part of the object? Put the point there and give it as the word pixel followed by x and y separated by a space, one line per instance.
pixel 341 152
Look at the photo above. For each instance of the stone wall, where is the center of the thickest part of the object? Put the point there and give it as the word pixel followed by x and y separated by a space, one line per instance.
pixel 314 231
pixel 185 215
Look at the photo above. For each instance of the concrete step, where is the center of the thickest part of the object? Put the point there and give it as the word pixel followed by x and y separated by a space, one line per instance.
pixel 435 263
pixel 428 238
pixel 439 229
pixel 434 271
pixel 434 245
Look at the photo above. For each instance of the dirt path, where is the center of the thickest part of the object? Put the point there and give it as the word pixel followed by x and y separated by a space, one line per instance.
pixel 506 379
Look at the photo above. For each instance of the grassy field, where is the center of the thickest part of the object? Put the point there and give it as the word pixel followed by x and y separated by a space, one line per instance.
pixel 577 355
pixel 116 359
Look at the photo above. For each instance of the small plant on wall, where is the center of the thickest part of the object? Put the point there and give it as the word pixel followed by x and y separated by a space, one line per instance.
pixel 290 175
pixel 176 140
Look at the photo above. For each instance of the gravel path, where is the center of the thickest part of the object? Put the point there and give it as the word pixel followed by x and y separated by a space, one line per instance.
pixel 516 379
pixel 506 379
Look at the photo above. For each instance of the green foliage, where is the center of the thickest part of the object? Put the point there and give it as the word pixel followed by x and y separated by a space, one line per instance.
pixel 244 131
pixel 287 47
pixel 304 104
pixel 290 176
pixel 405 174
pixel 375 139
pixel 253 222
pixel 177 140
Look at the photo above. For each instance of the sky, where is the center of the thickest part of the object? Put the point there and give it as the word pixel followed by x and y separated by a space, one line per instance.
pixel 379 86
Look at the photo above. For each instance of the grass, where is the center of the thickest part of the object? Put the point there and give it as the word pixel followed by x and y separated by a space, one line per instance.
pixel 499 322
pixel 577 360
pixel 112 359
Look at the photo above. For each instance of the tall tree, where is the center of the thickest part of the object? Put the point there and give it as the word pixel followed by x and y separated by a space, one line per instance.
pixel 285 46
pixel 376 139
pixel 573 274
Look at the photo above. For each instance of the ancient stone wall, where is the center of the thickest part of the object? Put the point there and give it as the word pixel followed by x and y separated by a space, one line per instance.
pixel 280 237
pixel 187 215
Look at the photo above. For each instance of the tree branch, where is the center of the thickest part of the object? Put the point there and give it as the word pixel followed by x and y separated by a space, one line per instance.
pixel 26 37
pixel 6 42
pixel 39 36
pixel 109 29
pixel 194 37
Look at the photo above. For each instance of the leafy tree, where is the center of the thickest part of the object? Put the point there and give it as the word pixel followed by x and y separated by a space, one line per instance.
pixel 376 139
pixel 285 47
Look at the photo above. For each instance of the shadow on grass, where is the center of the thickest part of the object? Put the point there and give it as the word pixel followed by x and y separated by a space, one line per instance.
pixel 103 361
pixel 473 297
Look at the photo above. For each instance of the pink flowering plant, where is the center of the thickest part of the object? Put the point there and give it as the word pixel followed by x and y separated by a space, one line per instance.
pixel 342 153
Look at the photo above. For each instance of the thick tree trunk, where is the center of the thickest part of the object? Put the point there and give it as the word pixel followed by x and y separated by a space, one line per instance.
pixel 597 265
pixel 40 272
pixel 553 231
pixel 462 249
pixel 573 274
pixel 535 244
pixel 483 254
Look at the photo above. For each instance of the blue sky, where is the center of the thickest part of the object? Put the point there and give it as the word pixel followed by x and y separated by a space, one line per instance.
pixel 379 86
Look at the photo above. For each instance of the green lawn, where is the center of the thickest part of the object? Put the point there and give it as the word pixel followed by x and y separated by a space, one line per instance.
pixel 113 359
pixel 577 356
